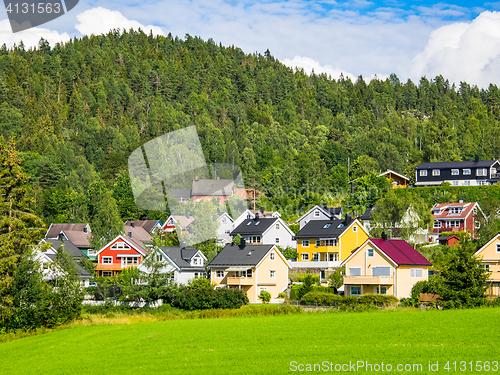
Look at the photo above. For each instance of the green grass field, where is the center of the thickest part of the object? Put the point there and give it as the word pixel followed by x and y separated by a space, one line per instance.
pixel 263 345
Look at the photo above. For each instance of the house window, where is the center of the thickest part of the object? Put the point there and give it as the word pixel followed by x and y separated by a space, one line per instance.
pixel 272 256
pixel 107 273
pixel 455 172
pixel 354 228
pixel 466 171
pixel 481 172
pixel 466 183
pixel 249 273
pixel 423 173
pixel 277 240
pixel 227 231
pixel 326 226
pixel 272 274
pixel 487 267
pixel 498 247
pixel 322 274
pixel 249 223
pixel 355 290
pixel 381 271
pixel 455 183
pixel 355 271
pixel 120 246
pixel 318 243
pixel 249 216
pixel 316 213
pixel 305 256
pixel 130 261
pixel 436 172
pixel 262 289
pixel 477 224
pixel 416 272
pixel 382 290
pixel 437 224
pixel 315 257
pixel 305 243
pixel 107 260
pixel 332 242
pixel 277 226
pixel 370 253
pixel 219 274
pixel 333 257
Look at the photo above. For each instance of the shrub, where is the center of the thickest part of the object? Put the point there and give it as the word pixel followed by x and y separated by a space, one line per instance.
pixel 265 296
pixel 229 299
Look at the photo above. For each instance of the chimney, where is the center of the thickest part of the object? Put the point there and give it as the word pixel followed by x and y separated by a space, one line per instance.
pixel 72 221
pixel 130 234
pixel 147 218
pixel 256 216
pixel 218 211
pixel 242 244
pixel 132 224
pixel 187 215
pixel 196 178
pixel 183 244
pixel 384 236
pixel 85 229
pixel 325 205
pixel 348 220
pixel 477 158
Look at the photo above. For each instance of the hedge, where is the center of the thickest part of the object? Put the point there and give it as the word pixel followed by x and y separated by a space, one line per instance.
pixel 329 299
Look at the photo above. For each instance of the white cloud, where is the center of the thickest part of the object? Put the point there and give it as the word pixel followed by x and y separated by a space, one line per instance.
pixel 100 20
pixel 30 37
pixel 309 65
pixel 467 52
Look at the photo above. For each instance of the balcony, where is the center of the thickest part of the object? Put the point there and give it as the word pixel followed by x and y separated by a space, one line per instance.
pixel 240 280
pixel 315 264
pixel 368 280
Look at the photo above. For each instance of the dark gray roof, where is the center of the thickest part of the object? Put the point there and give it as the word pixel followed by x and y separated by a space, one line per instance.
pixel 181 193
pixel 82 271
pixel 250 226
pixel 213 187
pixel 233 255
pixel 181 256
pixel 70 248
pixel 316 228
pixel 148 225
pixel 457 164
pixel 368 213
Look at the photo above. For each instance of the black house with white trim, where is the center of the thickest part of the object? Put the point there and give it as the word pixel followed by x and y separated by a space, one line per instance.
pixel 458 173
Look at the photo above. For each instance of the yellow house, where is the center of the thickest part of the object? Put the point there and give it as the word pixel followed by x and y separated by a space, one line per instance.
pixel 326 243
pixel 490 256
pixel 384 266
pixel 252 268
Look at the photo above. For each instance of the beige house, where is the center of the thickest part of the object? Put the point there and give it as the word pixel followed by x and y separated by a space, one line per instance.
pixel 252 268
pixel 384 266
pixel 490 256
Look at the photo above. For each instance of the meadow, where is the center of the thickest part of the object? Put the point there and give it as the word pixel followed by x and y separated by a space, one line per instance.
pixel 266 344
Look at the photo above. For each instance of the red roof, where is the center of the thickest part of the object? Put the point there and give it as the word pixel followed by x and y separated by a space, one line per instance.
pixel 400 252
pixel 445 210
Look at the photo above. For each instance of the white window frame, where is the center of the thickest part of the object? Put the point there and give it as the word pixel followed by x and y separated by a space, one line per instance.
pixel 305 256
pixel 316 257
pixel 305 243
pixel 120 245
pixel 383 290
pixel 316 213
pixel 466 172
pixel 414 273
pixel 423 173
pixel 262 289
pixel 318 243
pixel 477 224
pixel 466 183
pixel 355 228
pixel 272 256
pixel 358 288
pixel 482 172
pixel 219 274
pixel 372 252
pixel 249 273
pixel 487 267
pixel 272 274
pixel 455 172
pixel 107 260
pixel 277 240
pixel 437 224
pixel 436 172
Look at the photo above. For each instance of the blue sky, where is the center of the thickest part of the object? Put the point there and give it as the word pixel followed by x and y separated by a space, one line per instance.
pixel 460 40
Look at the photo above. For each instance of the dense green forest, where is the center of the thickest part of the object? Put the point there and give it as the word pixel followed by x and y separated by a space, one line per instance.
pixel 76 111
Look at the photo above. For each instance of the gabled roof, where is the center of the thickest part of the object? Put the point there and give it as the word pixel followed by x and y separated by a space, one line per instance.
pixel 224 214
pixel 392 172
pixel 495 238
pixel 181 256
pixel 70 248
pixel 368 213
pixel 254 226
pixel 182 221
pixel 400 252
pixel 73 232
pixel 328 211
pixel 134 243
pixel 179 194
pixel 325 228
pixel 233 255
pixel 443 238
pixel 148 225
pixel 138 233
pixel 445 213
pixel 457 164
pixel 213 187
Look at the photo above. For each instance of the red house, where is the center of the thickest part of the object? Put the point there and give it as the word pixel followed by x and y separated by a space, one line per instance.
pixel 212 189
pixel 455 217
pixel 448 240
pixel 122 252
pixel 173 220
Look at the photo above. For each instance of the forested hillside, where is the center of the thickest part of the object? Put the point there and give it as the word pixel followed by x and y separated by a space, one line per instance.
pixel 76 111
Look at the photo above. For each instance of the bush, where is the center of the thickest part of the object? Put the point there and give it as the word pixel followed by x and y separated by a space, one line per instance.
pixel 330 299
pixel 265 296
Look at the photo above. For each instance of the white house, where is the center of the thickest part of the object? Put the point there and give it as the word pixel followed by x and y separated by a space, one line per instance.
pixel 186 263
pixel 266 231
pixel 320 213
pixel 250 214
pixel 224 227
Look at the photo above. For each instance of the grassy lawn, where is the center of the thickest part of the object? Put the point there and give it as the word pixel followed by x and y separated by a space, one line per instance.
pixel 262 345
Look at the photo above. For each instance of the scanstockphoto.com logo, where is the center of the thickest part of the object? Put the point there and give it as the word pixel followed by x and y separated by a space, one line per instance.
pixel 25 14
